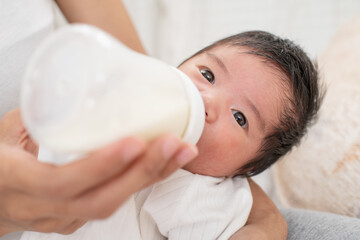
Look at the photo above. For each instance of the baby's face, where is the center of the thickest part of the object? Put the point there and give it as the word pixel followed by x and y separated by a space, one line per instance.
pixel 242 97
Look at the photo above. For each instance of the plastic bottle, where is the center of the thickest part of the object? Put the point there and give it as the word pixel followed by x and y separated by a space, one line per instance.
pixel 84 89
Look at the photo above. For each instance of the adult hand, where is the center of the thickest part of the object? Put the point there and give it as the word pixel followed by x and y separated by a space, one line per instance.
pixel 46 198
pixel 13 132
pixel 265 221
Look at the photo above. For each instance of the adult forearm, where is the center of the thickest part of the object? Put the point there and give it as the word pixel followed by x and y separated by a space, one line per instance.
pixel 110 15
pixel 265 221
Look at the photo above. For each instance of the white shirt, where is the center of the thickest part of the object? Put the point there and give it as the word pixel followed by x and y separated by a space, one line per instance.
pixel 23 25
pixel 184 206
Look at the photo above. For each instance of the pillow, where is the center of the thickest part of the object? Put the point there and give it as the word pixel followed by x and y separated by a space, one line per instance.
pixel 323 172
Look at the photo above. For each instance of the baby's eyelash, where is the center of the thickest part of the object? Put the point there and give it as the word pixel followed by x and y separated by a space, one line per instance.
pixel 208 75
pixel 240 118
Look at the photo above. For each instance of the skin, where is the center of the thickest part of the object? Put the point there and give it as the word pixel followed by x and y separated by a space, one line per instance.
pixel 264 222
pixel 109 15
pixel 230 81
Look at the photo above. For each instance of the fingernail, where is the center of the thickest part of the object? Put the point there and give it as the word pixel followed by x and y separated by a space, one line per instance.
pixel 170 146
pixel 132 150
pixel 186 155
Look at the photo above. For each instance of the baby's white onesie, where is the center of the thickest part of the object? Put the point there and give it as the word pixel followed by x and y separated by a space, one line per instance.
pixel 183 206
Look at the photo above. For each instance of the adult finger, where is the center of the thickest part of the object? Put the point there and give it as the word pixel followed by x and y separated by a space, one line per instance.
pixel 24 212
pixel 104 200
pixel 25 142
pixel 58 225
pixel 72 227
pixel 19 170
pixel 89 172
pixel 41 179
pixel 48 225
pixel 187 151
pixel 21 208
pixel 11 127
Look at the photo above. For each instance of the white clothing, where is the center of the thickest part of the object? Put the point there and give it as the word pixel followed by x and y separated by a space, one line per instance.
pixel 184 206
pixel 23 24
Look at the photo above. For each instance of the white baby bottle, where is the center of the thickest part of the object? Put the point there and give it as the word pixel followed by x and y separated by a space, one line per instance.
pixel 84 89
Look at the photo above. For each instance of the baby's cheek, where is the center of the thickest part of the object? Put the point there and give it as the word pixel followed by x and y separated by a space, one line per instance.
pixel 237 150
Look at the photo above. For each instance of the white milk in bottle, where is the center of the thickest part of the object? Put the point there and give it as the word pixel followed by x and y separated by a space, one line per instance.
pixel 83 89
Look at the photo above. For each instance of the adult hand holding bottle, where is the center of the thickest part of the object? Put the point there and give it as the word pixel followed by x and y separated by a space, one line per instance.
pixel 42 197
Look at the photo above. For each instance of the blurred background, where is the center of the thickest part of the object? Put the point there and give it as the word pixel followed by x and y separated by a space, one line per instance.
pixel 173 30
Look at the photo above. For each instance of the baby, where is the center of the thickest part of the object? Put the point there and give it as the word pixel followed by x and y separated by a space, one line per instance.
pixel 260 94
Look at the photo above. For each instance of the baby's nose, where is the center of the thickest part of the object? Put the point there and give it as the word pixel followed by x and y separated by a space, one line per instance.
pixel 210 109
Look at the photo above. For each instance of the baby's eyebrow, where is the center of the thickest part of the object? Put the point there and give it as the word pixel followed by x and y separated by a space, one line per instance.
pixel 257 113
pixel 218 61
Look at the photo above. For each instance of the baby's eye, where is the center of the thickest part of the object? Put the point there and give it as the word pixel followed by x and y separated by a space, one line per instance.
pixel 240 118
pixel 208 75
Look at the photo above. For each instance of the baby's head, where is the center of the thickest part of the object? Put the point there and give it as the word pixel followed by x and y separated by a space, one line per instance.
pixel 260 94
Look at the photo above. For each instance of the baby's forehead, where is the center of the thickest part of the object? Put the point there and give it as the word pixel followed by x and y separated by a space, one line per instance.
pixel 248 62
pixel 245 53
pixel 238 56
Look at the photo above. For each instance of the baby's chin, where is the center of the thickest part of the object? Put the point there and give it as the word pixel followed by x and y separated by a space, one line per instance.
pixel 197 166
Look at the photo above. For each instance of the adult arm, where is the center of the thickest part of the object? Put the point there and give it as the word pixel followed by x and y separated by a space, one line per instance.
pixel 265 221
pixel 109 15
pixel 42 197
